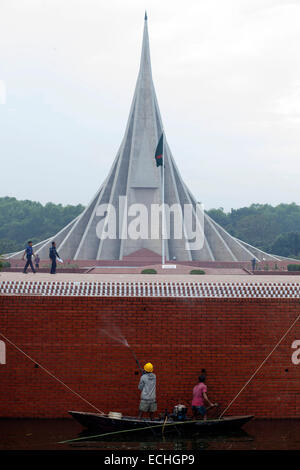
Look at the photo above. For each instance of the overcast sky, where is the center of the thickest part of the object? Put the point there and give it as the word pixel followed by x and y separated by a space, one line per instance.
pixel 227 78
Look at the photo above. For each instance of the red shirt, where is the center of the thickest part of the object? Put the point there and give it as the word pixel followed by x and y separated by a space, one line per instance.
pixel 198 391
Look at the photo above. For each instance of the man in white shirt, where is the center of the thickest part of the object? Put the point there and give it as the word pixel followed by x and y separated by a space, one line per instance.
pixel 147 386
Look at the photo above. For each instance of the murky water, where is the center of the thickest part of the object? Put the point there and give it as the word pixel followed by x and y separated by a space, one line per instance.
pixel 38 434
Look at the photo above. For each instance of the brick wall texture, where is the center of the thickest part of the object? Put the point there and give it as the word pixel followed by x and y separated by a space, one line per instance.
pixel 228 337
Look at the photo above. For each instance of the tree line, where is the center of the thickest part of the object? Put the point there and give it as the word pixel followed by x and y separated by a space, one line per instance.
pixel 21 221
pixel 274 229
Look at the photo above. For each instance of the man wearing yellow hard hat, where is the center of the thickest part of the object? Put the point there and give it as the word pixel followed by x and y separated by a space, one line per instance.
pixel 147 386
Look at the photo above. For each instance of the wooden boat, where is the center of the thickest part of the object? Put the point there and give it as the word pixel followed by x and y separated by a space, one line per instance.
pixel 106 424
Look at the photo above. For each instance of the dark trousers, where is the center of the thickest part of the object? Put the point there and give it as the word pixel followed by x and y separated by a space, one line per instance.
pixel 28 263
pixel 53 266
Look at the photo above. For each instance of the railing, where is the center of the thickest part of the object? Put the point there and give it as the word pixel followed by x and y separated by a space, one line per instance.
pixel 153 289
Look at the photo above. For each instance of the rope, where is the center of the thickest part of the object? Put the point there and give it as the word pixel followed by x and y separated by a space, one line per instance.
pixel 264 361
pixel 52 375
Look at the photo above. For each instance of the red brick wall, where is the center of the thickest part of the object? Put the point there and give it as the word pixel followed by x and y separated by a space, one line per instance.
pixel 229 337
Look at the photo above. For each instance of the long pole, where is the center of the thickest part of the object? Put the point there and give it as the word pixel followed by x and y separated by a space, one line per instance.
pixel 163 205
pixel 137 361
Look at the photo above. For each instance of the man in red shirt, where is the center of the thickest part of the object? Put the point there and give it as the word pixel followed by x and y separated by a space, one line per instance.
pixel 199 395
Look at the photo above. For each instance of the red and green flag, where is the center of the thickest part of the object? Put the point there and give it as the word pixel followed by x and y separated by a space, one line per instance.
pixel 159 151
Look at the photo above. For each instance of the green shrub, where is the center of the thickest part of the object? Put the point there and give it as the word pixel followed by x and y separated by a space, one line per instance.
pixel 197 271
pixel 5 264
pixel 149 271
pixel 293 267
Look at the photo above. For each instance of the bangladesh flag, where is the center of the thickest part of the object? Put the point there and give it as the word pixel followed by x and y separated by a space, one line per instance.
pixel 159 152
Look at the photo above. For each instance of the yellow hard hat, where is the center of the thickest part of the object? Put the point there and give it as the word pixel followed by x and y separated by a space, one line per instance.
pixel 148 367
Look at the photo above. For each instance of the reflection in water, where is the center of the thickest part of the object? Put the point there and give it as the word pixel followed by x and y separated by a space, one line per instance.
pixel 169 441
pixel 46 433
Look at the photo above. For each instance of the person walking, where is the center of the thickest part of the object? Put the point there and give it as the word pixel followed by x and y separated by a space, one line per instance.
pixel 37 261
pixel 28 253
pixel 53 255
pixel 147 386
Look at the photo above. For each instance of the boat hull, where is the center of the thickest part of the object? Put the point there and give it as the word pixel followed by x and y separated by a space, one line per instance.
pixel 105 424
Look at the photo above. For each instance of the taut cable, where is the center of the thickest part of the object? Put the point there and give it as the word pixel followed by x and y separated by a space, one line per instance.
pixel 52 375
pixel 265 360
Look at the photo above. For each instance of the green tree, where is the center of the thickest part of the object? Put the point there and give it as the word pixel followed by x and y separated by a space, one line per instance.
pixel 261 225
pixel 21 221
pixel 287 244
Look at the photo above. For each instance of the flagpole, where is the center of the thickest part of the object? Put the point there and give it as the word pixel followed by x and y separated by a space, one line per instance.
pixel 163 205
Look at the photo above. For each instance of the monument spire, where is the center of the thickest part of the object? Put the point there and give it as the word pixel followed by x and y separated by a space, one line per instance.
pixel 145 56
pixel 134 181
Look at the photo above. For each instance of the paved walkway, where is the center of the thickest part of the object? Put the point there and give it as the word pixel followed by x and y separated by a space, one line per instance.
pixel 76 277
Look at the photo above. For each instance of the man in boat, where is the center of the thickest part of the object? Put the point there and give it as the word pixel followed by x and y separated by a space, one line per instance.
pixel 147 386
pixel 199 395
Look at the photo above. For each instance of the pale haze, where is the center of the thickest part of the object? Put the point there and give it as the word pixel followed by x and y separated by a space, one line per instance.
pixel 226 74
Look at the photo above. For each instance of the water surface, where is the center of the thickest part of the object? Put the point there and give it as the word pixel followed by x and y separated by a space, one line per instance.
pixel 45 434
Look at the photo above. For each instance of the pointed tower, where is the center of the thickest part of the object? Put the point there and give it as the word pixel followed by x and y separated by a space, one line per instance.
pixel 135 178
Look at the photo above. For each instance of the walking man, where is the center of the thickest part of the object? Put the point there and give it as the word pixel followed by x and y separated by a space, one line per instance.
pixel 28 253
pixel 53 255
pixel 147 386
pixel 199 395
